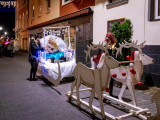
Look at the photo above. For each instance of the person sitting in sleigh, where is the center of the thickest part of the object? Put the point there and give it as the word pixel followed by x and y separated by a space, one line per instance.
pixel 52 49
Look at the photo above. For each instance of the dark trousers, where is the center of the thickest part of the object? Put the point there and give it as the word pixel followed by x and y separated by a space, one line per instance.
pixel 1 51
pixel 34 65
pixel 111 86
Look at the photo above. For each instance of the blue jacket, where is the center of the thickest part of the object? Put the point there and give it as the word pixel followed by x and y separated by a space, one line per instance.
pixel 34 49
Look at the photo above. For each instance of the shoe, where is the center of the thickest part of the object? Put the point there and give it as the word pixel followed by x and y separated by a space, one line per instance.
pixel 111 95
pixel 29 79
pixel 34 79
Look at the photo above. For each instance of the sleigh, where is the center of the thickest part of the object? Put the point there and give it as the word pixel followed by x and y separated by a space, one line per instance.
pixel 58 65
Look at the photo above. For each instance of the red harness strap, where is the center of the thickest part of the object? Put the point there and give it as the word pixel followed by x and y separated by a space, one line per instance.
pixel 132 55
pixel 99 56
pixel 95 58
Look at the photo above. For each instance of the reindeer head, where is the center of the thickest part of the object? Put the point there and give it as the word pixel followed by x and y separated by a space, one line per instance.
pixel 138 55
pixel 146 60
pixel 109 61
pixel 95 47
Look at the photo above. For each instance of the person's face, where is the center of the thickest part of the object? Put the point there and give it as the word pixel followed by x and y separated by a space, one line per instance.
pixel 108 39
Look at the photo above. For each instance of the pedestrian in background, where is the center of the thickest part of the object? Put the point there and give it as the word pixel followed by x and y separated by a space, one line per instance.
pixel 111 39
pixel 34 48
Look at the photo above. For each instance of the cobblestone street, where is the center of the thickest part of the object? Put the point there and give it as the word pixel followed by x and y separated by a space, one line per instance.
pixel 21 99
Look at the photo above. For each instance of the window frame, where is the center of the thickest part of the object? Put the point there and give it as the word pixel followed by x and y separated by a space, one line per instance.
pixel 64 3
pixel 23 20
pixel 112 1
pixel 26 20
pixel 156 10
pixel 112 4
pixel 112 22
pixel 32 11
pixel 39 8
pixel 48 8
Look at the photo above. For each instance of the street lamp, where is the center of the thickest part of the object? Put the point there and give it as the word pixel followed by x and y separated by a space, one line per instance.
pixel 1 27
pixel 5 33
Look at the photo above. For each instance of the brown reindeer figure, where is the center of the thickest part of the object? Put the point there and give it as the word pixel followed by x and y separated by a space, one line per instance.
pixel 96 79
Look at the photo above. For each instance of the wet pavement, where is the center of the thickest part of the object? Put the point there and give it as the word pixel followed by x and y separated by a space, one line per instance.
pixel 21 99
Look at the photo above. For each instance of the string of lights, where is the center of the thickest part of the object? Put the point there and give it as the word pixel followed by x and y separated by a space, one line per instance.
pixel 8 4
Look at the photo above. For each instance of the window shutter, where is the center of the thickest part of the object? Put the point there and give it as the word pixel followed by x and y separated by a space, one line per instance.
pixel 151 5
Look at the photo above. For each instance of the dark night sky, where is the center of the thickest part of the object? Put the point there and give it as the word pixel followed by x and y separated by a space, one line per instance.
pixel 7 19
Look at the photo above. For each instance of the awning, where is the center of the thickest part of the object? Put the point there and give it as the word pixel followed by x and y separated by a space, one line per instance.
pixel 66 17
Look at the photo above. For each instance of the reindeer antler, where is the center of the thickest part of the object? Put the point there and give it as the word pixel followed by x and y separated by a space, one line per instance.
pixel 129 45
pixel 95 47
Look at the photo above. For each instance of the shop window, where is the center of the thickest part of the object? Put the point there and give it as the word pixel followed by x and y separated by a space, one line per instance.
pixel 111 22
pixel 48 5
pixel 115 3
pixel 64 2
pixel 39 7
pixel 154 10
pixel 32 11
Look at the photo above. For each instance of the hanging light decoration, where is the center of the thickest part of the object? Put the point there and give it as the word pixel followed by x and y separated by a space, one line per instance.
pixel 8 3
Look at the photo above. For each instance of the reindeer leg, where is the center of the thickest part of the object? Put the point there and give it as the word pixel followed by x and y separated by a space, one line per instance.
pixel 72 87
pixel 121 92
pixel 91 100
pixel 99 95
pixel 77 90
pixel 131 89
pixel 98 90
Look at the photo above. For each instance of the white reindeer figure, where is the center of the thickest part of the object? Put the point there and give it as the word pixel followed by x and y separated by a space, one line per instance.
pixel 96 79
pixel 131 75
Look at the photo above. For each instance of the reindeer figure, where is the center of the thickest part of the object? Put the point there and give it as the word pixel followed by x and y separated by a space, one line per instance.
pixel 96 79
pixel 131 75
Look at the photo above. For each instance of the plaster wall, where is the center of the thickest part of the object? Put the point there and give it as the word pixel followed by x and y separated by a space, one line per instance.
pixel 75 6
pixel 54 11
pixel 137 12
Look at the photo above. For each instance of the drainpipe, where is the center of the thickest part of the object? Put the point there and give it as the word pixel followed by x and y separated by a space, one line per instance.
pixel 144 19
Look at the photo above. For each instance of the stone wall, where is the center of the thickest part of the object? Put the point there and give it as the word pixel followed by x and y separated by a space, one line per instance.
pixel 151 75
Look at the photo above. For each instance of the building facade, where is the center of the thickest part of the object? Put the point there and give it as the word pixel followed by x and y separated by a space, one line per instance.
pixel 145 17
pixel 74 13
pixel 90 20
pixel 41 11
pixel 21 24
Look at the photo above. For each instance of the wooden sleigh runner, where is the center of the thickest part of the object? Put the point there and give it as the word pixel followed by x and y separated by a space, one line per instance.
pixel 44 72
pixel 97 81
